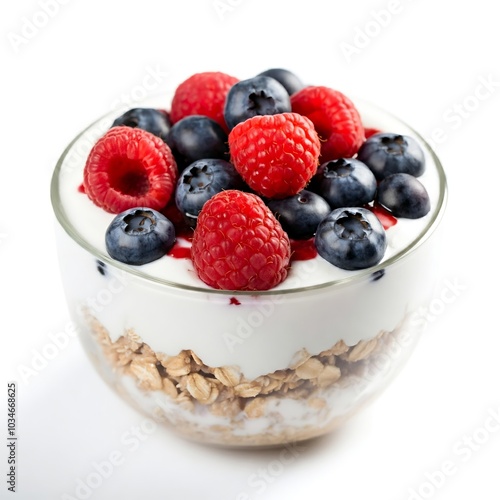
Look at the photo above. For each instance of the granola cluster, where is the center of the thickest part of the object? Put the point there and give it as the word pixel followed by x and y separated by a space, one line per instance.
pixel 223 391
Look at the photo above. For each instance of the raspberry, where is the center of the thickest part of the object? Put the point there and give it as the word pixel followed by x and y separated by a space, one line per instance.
pixel 202 94
pixel 129 167
pixel 335 118
pixel 238 244
pixel 276 155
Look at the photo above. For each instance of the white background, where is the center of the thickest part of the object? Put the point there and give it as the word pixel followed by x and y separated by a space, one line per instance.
pixel 427 61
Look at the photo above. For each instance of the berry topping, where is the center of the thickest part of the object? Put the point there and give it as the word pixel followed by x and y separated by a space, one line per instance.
pixel 260 95
pixel 289 80
pixel 150 119
pixel 345 183
pixel 351 238
pixel 388 153
pixel 238 244
pixel 139 235
pixel 276 155
pixel 202 94
pixel 200 181
pixel 195 137
pixel 383 215
pixel 174 215
pixel 303 249
pixel 245 177
pixel 300 214
pixel 335 117
pixel 404 195
pixel 129 167
pixel 369 131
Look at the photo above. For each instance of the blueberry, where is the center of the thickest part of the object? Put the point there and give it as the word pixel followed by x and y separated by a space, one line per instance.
pixel 195 137
pixel 289 80
pixel 139 235
pixel 260 95
pixel 200 181
pixel 351 238
pixel 150 119
pixel 404 195
pixel 300 214
pixel 387 154
pixel 345 183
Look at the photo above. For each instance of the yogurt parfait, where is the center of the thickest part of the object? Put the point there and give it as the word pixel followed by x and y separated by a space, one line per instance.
pixel 245 260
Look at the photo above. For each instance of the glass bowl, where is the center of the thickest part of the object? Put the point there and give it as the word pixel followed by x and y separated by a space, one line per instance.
pixel 245 368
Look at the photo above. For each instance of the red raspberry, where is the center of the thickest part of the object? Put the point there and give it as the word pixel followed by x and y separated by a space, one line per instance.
pixel 238 244
pixel 335 117
pixel 129 167
pixel 276 155
pixel 202 94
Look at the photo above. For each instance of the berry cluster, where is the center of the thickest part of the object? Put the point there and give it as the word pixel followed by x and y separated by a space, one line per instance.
pixel 232 159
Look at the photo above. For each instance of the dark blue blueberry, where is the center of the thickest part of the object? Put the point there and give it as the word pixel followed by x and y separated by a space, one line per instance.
pixel 139 235
pixel 101 267
pixel 300 214
pixel 200 181
pixel 387 154
pixel 289 80
pixel 195 137
pixel 150 119
pixel 345 183
pixel 260 95
pixel 404 195
pixel 351 238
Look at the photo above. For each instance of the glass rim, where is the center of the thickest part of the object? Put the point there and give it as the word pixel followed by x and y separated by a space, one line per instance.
pixel 359 276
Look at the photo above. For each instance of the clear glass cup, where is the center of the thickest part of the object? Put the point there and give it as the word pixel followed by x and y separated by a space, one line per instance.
pixel 247 368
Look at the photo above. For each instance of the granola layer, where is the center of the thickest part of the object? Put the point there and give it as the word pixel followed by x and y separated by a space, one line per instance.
pixel 310 397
